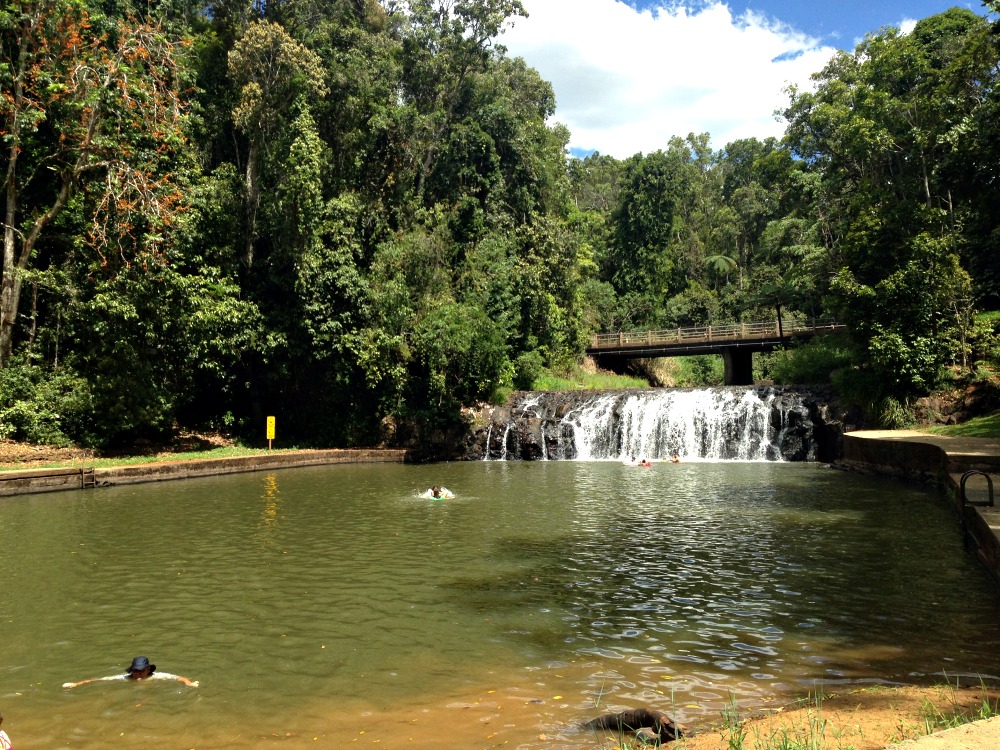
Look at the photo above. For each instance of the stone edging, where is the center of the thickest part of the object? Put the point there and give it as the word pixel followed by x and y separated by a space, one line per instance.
pixel 26 481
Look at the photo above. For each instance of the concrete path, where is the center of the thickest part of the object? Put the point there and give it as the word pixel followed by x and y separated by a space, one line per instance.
pixel 984 449
pixel 980 735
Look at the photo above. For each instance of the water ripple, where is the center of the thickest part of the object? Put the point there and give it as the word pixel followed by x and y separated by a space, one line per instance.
pixel 685 583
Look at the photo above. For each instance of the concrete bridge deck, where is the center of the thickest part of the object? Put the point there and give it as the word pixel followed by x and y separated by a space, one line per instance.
pixel 736 342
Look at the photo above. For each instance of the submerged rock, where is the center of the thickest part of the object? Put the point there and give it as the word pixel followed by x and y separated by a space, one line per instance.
pixel 648 724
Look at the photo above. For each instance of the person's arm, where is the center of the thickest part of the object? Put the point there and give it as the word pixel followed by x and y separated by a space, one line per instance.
pixel 177 677
pixel 113 678
pixel 68 685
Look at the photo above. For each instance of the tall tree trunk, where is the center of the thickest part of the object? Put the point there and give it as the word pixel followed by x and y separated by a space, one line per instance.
pixel 253 202
pixel 10 285
pixel 15 262
pixel 33 329
pixel 10 281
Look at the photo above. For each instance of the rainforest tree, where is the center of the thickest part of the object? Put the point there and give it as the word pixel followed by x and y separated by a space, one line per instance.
pixel 898 134
pixel 91 112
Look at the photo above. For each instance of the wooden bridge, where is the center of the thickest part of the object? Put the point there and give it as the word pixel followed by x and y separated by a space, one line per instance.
pixel 736 342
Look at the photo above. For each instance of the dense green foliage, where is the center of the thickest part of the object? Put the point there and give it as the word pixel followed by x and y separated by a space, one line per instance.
pixel 815 363
pixel 347 213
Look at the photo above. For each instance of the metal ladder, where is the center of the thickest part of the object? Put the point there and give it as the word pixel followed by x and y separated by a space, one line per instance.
pixel 87 478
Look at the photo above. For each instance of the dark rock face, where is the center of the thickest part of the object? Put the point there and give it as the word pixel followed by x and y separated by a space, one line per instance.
pixel 751 423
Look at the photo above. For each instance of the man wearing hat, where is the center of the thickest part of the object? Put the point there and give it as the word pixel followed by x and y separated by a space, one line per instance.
pixel 140 669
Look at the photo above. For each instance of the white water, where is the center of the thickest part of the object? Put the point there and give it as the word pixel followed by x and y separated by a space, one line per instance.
pixel 710 424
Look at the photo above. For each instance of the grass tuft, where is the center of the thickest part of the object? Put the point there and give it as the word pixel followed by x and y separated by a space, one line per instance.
pixel 936 720
pixel 578 379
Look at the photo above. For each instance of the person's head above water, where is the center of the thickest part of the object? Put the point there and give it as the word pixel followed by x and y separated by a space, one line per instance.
pixel 140 669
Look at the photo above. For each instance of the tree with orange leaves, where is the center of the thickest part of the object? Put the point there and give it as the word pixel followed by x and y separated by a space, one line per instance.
pixel 92 107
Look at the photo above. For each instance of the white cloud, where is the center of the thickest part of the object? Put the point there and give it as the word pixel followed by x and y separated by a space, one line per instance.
pixel 626 81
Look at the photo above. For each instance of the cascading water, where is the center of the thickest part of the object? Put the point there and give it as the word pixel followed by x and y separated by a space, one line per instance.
pixel 707 424
pixel 734 424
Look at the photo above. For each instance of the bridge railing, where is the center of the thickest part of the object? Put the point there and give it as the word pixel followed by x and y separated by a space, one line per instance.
pixel 725 332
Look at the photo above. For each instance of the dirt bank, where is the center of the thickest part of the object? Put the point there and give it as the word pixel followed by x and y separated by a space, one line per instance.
pixel 868 719
pixel 25 456
pixel 15 455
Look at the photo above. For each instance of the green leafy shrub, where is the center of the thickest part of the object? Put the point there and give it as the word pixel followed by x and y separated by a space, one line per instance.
pixel 44 405
pixel 891 414
pixel 579 379
pixel 528 367
pixel 983 340
pixel 461 360
pixel 688 372
pixel 701 370
pixel 811 363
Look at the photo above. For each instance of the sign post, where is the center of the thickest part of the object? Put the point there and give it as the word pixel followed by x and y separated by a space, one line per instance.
pixel 270 431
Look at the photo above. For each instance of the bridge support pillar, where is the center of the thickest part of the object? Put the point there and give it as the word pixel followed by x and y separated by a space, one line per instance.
pixel 738 365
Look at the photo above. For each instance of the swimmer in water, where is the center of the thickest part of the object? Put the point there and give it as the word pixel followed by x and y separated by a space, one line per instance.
pixel 140 669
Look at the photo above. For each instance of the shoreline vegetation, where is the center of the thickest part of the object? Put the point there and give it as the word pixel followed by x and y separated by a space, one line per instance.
pixel 16 455
pixel 866 719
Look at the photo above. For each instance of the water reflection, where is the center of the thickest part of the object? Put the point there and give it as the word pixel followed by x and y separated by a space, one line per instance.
pixel 271 496
pixel 310 602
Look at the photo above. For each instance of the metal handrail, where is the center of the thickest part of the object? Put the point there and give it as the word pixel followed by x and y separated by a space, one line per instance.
pixel 725 332
pixel 961 489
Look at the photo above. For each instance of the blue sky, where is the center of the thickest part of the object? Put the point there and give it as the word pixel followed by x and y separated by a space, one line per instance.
pixel 629 75
pixel 843 22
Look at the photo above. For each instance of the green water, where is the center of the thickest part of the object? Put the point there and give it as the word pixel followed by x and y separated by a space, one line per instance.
pixel 335 604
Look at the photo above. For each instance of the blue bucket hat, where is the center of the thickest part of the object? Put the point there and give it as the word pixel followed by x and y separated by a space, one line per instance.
pixel 140 663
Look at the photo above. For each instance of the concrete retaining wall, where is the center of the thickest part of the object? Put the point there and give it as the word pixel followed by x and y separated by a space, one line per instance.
pixel 982 530
pixel 923 462
pixel 48 480
pixel 40 480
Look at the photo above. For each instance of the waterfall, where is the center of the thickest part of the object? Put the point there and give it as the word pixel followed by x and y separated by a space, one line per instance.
pixel 709 424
